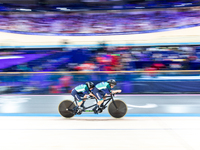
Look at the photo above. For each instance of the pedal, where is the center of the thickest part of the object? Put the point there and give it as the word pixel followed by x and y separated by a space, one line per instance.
pixel 100 110
pixel 79 111
pixel 95 111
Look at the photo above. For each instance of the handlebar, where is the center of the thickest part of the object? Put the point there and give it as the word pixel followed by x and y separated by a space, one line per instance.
pixel 91 97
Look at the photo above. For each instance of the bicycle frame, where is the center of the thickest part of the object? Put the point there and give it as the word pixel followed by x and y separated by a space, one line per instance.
pixel 106 101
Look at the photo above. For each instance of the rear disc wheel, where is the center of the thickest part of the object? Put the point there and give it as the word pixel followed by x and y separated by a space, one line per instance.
pixel 65 108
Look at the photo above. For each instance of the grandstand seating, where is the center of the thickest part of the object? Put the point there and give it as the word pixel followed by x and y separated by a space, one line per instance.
pixel 143 21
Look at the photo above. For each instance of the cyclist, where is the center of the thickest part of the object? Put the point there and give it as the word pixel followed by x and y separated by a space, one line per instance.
pixel 80 93
pixel 101 90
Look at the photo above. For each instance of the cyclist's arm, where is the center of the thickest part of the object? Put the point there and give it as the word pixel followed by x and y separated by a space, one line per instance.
pixel 85 96
pixel 92 95
pixel 116 91
pixel 86 92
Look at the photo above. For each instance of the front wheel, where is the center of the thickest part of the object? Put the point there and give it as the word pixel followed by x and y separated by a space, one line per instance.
pixel 65 108
pixel 119 111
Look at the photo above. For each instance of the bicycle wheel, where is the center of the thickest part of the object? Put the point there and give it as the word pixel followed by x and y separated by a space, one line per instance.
pixel 65 108
pixel 118 112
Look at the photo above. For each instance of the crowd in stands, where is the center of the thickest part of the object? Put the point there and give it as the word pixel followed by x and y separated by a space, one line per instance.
pixel 107 58
pixel 99 22
pixel 104 58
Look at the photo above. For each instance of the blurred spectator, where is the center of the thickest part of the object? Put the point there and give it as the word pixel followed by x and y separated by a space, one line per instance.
pixel 159 66
pixel 23 68
pixel 65 83
pixel 149 73
pixel 86 66
pixel 55 89
pixel 175 66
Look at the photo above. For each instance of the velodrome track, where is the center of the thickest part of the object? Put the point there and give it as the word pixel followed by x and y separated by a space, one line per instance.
pixel 153 122
pixel 138 105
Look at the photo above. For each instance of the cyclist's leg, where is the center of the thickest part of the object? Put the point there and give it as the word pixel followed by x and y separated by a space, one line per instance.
pixel 82 103
pixel 100 101
pixel 103 94
pixel 100 96
pixel 78 97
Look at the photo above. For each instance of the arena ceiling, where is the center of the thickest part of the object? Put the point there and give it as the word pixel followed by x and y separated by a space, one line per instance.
pixel 33 2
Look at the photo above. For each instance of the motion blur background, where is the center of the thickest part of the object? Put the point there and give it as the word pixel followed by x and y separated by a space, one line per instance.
pixel 148 46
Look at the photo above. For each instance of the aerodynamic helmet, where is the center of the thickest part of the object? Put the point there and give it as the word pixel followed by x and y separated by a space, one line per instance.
pixel 112 82
pixel 90 84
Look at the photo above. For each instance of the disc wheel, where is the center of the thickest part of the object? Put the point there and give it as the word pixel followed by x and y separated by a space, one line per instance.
pixel 65 108
pixel 118 112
